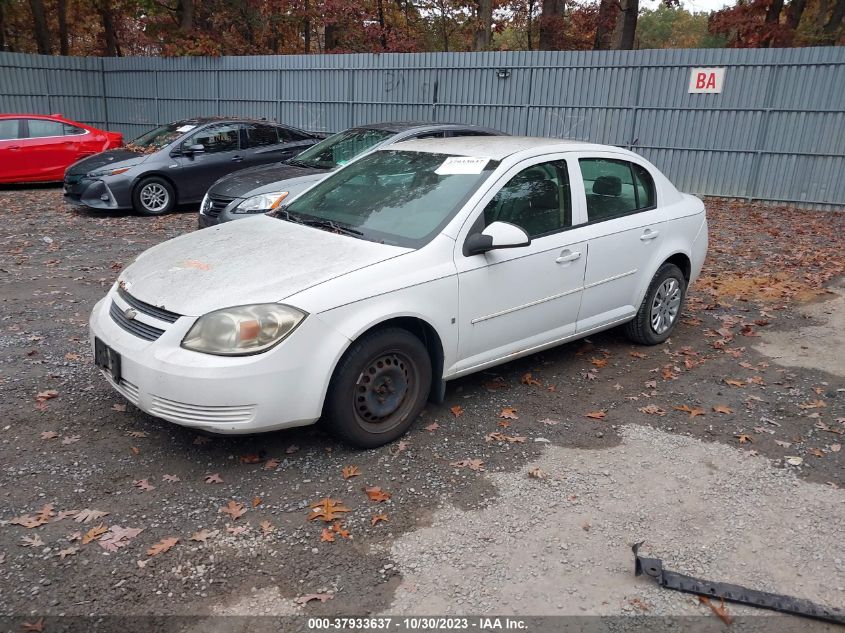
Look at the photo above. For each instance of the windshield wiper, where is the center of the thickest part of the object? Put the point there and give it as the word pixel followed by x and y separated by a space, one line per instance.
pixel 300 163
pixel 331 226
pixel 284 214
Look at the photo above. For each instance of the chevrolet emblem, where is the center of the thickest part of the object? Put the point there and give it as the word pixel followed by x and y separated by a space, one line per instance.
pixel 130 313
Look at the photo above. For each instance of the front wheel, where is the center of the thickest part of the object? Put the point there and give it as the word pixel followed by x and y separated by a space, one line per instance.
pixel 661 308
pixel 153 196
pixel 378 389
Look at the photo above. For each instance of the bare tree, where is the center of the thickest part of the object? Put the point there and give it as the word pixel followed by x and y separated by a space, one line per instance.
pixel 112 45
pixel 39 27
pixel 64 44
pixel 625 28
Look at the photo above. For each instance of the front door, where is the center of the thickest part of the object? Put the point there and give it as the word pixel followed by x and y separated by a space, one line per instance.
pixel 14 165
pixel 512 300
pixel 221 155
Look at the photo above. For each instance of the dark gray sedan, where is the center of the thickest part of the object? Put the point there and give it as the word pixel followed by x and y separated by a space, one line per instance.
pixel 263 189
pixel 176 163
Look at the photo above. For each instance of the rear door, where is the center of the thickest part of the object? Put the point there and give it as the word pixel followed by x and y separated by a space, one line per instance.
pixel 49 151
pixel 262 144
pixel 14 165
pixel 221 155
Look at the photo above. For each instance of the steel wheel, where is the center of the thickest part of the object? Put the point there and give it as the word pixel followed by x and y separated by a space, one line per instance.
pixel 385 391
pixel 666 305
pixel 154 197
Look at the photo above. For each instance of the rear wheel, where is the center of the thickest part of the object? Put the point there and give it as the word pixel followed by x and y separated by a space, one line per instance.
pixel 153 196
pixel 661 308
pixel 379 388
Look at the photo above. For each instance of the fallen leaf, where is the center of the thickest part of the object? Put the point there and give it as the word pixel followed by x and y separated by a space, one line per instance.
pixel 327 510
pixel 509 413
pixel 213 479
pixel 835 448
pixel 586 526
pixel 31 541
pixel 528 379
pixel 118 537
pixel 135 450
pixel 472 464
pixel 794 460
pixel 501 437
pixel 203 535
pixel 170 478
pixel 85 516
pixel 234 510
pixel 120 408
pixel 290 450
pixel 457 410
pixel 816 452
pixel 377 518
pixel 549 422
pixel 267 528
pixel 596 415
pixel 350 471
pixel 201 440
pixel 256 501
pixel 783 443
pixel 28 521
pixel 338 529
pixel 327 536
pixel 432 427
pixel 94 533
pixel 252 458
pixel 162 546
pixel 743 438
pixel 43 396
pixel 638 355
pixel 70 439
pixel 322 597
pixel 719 610
pixel 375 493
pixel 33 627
pixel 143 484
pixel 693 411
pixel 536 473
pixel 272 464
pixel 70 551
pixel 734 383
pixel 237 530
pixel 139 435
pixel 652 409
pixel 721 408
pixel 49 435
pixel 599 362
pixel 813 404
pixel 496 384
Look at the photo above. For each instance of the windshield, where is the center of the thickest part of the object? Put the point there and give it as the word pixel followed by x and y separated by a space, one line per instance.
pixel 339 149
pixel 159 137
pixel 395 197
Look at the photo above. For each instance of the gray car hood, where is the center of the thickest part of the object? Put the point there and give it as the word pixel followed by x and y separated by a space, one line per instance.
pixel 257 260
pixel 264 179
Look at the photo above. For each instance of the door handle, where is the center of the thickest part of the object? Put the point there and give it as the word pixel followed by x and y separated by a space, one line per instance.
pixel 14 147
pixel 237 159
pixel 567 256
pixel 649 235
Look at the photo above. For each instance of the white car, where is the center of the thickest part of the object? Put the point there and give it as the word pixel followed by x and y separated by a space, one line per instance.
pixel 422 262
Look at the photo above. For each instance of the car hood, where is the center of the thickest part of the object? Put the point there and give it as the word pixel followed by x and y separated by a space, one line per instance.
pixel 112 158
pixel 256 260
pixel 243 182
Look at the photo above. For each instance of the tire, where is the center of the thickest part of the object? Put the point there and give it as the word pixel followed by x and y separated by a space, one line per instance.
pixel 649 326
pixel 378 389
pixel 153 196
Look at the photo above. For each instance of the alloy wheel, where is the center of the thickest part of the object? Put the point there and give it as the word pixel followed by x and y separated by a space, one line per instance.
pixel 665 306
pixel 154 197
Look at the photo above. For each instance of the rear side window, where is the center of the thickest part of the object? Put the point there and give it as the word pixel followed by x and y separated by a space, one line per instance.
pixel 216 138
pixel 72 130
pixel 39 128
pixel 286 135
pixel 8 129
pixel 258 135
pixel 615 188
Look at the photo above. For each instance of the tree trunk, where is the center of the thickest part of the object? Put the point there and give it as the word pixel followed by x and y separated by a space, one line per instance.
pixel 306 28
pixel 604 24
pixel 112 46
pixel 40 30
pixel 332 37
pixel 382 26
pixel 64 45
pixel 530 22
pixel 832 29
pixel 484 27
pixel 626 25
pixel 4 45
pixel 793 15
pixel 186 15
pixel 551 18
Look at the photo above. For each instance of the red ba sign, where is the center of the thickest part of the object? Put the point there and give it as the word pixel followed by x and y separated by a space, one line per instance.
pixel 705 80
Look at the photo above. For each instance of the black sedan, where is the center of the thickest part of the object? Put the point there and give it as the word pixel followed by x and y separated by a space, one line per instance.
pixel 176 163
pixel 263 189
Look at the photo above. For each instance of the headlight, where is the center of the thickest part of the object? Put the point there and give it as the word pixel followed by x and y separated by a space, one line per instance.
pixel 107 172
pixel 242 330
pixel 261 203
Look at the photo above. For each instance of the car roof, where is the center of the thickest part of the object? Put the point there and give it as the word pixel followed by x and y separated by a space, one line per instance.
pixel 405 126
pixel 500 147
pixel 202 120
pixel 22 115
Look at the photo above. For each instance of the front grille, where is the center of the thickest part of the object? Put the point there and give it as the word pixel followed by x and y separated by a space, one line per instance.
pixel 214 206
pixel 141 330
pixel 184 412
pixel 148 309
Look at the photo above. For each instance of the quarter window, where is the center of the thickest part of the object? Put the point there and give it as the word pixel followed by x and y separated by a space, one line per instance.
pixel 72 130
pixel 215 139
pixel 615 188
pixel 8 129
pixel 537 199
pixel 259 135
pixel 39 128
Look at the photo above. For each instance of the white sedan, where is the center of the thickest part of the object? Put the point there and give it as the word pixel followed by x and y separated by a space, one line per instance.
pixel 417 264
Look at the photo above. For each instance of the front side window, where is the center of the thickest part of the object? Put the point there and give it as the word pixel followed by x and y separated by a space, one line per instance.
pixel 615 188
pixel 72 130
pixel 40 128
pixel 159 137
pixel 537 199
pixel 259 135
pixel 340 148
pixel 216 138
pixel 394 197
pixel 8 129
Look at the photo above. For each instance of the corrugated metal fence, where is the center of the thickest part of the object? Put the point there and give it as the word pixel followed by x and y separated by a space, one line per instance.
pixel 776 132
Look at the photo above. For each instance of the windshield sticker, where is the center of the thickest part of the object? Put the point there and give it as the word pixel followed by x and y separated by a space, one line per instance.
pixel 185 128
pixel 461 165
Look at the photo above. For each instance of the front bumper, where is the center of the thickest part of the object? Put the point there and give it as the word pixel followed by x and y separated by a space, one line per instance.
pixel 283 387
pixel 95 194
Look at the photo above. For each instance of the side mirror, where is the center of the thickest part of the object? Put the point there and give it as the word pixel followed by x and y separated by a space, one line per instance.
pixel 199 148
pixel 496 235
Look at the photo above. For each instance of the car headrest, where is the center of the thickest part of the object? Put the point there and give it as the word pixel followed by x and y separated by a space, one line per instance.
pixel 607 186
pixel 544 195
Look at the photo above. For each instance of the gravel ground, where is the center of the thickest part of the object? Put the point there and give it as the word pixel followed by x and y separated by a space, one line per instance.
pixel 78 446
